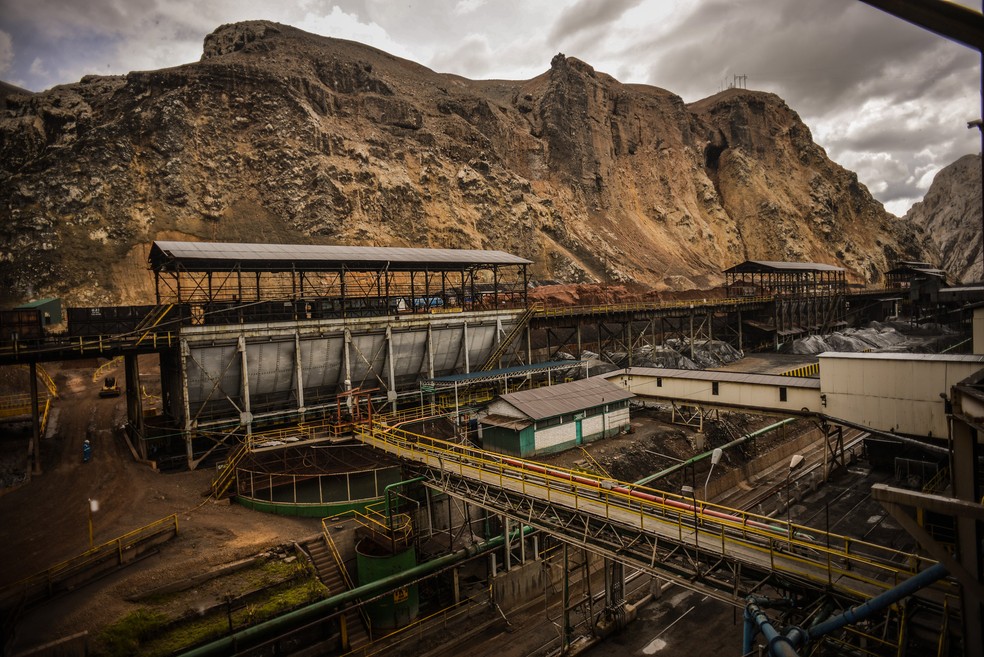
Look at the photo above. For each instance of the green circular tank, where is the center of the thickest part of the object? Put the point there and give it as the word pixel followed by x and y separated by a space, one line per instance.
pixel 397 608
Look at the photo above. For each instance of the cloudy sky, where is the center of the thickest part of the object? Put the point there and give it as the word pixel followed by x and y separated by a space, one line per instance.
pixel 884 98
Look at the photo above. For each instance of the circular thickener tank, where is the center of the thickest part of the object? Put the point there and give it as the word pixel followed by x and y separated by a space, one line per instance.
pixel 399 607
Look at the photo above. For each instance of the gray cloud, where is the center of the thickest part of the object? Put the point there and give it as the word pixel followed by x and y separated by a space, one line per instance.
pixel 588 15
pixel 883 97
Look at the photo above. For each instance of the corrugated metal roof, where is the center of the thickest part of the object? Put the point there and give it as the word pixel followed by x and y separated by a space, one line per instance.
pixel 731 377
pixel 942 358
pixel 771 265
pixel 551 401
pixel 213 255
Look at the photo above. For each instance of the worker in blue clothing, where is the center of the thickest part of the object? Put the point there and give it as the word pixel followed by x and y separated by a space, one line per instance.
pixel 86 451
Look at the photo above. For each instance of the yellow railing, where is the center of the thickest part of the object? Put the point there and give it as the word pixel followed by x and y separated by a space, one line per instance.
pixel 46 379
pixel 223 480
pixel 850 565
pixel 151 321
pixel 105 367
pixel 343 571
pixel 938 481
pixel 41 584
pixel 20 404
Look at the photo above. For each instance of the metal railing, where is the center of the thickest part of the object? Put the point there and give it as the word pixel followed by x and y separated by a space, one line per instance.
pixel 227 473
pixel 342 570
pixel 47 582
pixel 849 565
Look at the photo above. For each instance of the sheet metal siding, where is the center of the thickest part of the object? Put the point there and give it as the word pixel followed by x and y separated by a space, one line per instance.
pixel 502 441
pixel 730 393
pixel 900 395
pixel 409 356
pixel 215 369
pixel 322 361
pixel 271 367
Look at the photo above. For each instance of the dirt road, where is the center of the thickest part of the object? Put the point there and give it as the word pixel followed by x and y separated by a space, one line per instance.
pixel 46 521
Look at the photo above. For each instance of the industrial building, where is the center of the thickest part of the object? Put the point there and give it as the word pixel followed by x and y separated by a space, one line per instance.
pixel 549 419
pixel 764 392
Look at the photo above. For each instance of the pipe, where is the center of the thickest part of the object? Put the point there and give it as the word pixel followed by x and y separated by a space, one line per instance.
pixel 876 604
pixel 317 611
pixel 700 457
pixel 919 444
pixel 785 645
pixel 780 645
pixel 386 494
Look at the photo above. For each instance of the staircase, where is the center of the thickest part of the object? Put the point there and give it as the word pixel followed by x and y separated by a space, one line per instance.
pixel 223 480
pixel 330 575
pixel 500 349
pixel 151 321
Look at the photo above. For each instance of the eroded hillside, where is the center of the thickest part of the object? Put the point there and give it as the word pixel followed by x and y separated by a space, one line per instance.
pixel 277 135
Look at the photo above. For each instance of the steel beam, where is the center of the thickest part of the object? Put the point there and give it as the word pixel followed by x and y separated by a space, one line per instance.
pixel 947 19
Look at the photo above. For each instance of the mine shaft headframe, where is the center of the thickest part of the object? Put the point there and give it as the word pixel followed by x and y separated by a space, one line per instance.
pixel 949 20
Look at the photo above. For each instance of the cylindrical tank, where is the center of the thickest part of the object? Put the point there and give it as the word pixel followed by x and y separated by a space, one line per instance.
pixel 395 609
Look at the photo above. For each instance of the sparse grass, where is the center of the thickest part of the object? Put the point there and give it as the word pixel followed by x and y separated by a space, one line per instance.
pixel 123 638
pixel 163 629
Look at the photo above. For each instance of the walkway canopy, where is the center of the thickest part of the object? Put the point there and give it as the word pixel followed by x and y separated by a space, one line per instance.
pixel 388 278
pixel 770 277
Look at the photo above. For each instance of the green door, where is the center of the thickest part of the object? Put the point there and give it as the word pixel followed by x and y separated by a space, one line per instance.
pixel 577 425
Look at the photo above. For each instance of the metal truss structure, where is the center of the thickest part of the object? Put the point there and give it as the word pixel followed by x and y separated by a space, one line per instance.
pixel 724 553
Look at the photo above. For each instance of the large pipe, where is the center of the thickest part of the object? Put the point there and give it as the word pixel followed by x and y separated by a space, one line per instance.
pixel 319 610
pixel 779 645
pixel 786 645
pixel 876 604
pixel 700 457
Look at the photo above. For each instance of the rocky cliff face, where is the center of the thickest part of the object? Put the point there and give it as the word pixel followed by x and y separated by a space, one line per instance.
pixel 277 135
pixel 950 215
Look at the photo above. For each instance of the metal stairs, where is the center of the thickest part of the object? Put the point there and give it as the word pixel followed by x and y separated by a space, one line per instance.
pixel 492 361
pixel 223 480
pixel 330 574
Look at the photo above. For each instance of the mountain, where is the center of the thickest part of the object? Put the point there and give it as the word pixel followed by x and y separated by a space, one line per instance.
pixel 277 135
pixel 950 214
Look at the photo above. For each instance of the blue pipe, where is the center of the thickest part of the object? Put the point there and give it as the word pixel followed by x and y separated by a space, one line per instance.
pixel 785 645
pixel 779 645
pixel 876 604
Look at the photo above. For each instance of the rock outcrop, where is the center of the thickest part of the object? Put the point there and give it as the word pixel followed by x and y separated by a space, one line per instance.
pixel 277 135
pixel 950 214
